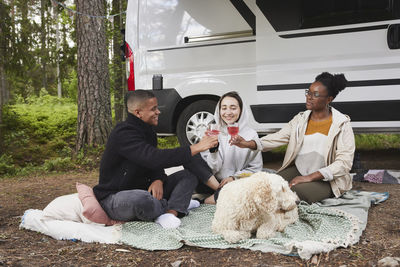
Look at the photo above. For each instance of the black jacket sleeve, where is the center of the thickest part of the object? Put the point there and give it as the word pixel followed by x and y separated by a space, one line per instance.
pixel 158 175
pixel 134 147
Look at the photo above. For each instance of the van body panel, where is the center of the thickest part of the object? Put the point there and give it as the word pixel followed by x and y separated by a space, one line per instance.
pixel 294 58
pixel 203 48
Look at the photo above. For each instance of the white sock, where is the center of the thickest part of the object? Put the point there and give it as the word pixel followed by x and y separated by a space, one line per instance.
pixel 193 204
pixel 168 221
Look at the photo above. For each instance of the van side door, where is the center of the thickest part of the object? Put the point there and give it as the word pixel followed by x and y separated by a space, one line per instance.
pixel 299 39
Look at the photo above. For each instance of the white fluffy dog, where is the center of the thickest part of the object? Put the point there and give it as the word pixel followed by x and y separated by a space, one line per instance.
pixel 262 203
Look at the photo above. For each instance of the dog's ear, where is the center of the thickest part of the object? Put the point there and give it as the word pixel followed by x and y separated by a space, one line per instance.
pixel 264 197
pixel 287 198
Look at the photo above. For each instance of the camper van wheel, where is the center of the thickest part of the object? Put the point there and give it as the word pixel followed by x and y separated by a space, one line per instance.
pixel 194 121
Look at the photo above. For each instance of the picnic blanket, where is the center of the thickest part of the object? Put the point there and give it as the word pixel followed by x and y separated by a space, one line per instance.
pixel 378 176
pixel 321 227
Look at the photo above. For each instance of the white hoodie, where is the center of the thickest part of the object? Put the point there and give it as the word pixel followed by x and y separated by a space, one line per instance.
pixel 232 160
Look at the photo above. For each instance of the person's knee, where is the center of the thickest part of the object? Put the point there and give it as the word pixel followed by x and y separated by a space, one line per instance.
pixel 306 194
pixel 136 205
pixel 192 178
pixel 286 175
pixel 303 193
pixel 145 208
pixel 188 178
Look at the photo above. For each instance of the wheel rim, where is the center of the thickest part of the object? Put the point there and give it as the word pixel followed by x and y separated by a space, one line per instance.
pixel 197 125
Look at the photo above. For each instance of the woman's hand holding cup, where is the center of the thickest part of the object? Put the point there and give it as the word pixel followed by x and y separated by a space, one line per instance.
pixel 239 141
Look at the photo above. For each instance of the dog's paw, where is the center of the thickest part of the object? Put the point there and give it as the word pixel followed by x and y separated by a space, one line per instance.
pixel 232 236
pixel 265 231
pixel 265 235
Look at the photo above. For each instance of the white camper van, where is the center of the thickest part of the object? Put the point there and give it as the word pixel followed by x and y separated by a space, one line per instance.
pixel 269 51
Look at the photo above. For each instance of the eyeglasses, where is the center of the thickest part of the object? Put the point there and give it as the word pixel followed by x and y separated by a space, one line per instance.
pixel 313 94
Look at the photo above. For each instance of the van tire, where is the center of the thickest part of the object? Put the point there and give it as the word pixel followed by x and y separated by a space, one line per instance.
pixel 203 108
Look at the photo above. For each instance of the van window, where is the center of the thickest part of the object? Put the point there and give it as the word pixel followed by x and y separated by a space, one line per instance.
pixel 169 22
pixel 306 14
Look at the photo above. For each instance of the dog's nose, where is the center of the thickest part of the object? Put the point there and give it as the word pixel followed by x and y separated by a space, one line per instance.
pixel 297 202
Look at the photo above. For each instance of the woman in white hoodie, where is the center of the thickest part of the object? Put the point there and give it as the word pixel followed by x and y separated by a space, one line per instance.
pixel 231 162
pixel 320 144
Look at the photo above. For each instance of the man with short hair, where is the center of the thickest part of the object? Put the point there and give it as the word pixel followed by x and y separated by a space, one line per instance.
pixel 132 183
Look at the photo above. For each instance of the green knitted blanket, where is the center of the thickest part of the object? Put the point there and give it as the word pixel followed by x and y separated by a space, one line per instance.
pixel 320 228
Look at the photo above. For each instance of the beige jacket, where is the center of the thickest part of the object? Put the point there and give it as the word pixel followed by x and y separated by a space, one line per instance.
pixel 339 151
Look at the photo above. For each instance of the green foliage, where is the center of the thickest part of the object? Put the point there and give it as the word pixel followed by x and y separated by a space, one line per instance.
pixel 89 157
pixel 47 117
pixel 58 164
pixel 29 48
pixel 279 150
pixel 37 130
pixel 6 164
pixel 377 141
pixel 70 86
pixel 168 142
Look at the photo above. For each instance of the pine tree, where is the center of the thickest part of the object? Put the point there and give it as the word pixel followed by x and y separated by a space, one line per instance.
pixel 118 64
pixel 4 50
pixel 94 107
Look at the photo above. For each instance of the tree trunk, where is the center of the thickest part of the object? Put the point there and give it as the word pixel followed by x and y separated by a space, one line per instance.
pixel 123 7
pixel 43 53
pixel 94 107
pixel 118 64
pixel 58 78
pixel 4 95
pixel 3 51
pixel 12 19
pixel 2 90
pixel 27 60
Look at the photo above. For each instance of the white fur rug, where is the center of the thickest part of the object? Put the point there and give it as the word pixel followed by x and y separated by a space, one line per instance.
pixel 69 230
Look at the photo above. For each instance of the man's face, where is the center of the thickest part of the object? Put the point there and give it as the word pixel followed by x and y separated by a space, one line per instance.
pixel 149 112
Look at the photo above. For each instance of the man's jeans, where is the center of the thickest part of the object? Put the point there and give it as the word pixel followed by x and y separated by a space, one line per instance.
pixel 137 204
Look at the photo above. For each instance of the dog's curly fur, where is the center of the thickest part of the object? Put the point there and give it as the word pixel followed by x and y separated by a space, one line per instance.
pixel 262 203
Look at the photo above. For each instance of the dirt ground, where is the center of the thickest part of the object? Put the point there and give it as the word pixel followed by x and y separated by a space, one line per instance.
pixel 19 247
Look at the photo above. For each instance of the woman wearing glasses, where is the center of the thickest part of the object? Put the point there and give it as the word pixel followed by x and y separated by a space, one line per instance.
pixel 320 143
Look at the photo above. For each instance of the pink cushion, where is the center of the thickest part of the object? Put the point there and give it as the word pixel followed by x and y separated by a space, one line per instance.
pixel 91 207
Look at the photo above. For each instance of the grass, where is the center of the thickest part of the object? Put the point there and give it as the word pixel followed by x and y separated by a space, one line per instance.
pixel 168 142
pixel 377 141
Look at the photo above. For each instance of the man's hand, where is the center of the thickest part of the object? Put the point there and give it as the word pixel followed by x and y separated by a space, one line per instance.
pixel 205 143
pixel 156 189
pixel 239 141
pixel 225 181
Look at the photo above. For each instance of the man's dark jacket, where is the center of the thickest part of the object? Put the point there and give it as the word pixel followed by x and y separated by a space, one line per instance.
pixel 131 159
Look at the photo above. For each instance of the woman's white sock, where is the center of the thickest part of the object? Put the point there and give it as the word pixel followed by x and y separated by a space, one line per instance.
pixel 168 221
pixel 193 204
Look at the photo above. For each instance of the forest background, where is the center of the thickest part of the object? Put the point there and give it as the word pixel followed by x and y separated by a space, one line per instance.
pixel 48 114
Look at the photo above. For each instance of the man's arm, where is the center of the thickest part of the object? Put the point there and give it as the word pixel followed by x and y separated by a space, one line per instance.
pixel 134 147
pixel 205 143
